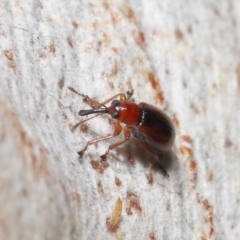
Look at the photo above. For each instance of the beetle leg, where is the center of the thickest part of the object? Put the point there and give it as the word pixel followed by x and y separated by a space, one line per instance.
pixel 127 134
pixel 156 157
pixel 129 94
pixel 117 131
pixel 163 170
pixel 122 97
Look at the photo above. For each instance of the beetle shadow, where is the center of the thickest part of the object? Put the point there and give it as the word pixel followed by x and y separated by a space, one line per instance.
pixel 162 161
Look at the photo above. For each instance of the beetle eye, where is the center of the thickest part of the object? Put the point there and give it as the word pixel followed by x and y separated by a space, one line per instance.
pixel 115 104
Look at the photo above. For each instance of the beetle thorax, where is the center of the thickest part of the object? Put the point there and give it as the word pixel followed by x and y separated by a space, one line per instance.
pixel 126 112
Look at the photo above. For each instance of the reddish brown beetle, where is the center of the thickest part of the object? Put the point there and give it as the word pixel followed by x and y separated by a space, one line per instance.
pixel 151 126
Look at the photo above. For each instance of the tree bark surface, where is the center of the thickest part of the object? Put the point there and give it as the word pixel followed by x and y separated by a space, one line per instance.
pixel 180 56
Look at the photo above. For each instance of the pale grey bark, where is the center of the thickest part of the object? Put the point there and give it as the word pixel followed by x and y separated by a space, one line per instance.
pixel 181 56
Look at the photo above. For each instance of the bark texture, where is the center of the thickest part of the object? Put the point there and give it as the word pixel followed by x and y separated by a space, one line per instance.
pixel 181 56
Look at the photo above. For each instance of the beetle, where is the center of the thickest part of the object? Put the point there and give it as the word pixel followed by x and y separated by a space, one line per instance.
pixel 150 125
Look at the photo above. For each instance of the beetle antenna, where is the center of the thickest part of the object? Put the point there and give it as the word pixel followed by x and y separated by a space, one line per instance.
pixel 73 128
pixel 73 90
pixel 93 103
pixel 87 112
